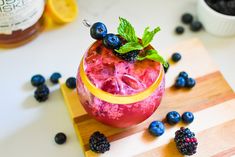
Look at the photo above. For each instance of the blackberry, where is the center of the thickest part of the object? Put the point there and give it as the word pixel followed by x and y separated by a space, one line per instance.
pixel 99 143
pixel 129 56
pixel 41 94
pixel 185 141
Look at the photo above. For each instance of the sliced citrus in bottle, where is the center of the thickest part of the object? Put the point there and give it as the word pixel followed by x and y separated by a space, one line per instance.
pixel 62 11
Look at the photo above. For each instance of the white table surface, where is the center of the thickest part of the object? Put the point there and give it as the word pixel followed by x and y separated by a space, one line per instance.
pixel 27 128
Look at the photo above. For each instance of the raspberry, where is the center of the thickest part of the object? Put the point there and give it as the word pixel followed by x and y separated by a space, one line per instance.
pixel 185 141
pixel 41 94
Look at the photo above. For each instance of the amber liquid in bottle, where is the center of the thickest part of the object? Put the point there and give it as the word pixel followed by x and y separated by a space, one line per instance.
pixel 20 21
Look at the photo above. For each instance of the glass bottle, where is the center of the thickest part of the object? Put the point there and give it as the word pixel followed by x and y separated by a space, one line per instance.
pixel 20 21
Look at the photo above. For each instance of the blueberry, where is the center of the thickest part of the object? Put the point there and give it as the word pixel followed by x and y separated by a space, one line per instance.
pixel 179 30
pixel 98 31
pixel 190 83
pixel 71 82
pixel 176 57
pixel 166 69
pixel 156 128
pixel 112 41
pixel 180 82
pixel 196 26
pixel 187 117
pixel 41 93
pixel 183 74
pixel 60 138
pixel 37 80
pixel 187 18
pixel 55 77
pixel 173 117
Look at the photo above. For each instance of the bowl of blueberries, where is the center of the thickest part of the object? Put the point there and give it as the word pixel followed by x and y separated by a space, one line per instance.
pixel 217 16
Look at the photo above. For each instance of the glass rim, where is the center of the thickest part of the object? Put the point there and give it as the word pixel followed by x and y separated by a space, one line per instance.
pixel 119 99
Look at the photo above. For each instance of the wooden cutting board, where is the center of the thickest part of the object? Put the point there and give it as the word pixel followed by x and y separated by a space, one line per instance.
pixel 212 101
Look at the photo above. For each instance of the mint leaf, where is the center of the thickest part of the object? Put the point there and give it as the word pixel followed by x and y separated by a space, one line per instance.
pixel 127 31
pixel 148 36
pixel 153 55
pixel 129 47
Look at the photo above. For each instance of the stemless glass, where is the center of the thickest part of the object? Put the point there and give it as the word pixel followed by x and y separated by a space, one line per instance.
pixel 114 109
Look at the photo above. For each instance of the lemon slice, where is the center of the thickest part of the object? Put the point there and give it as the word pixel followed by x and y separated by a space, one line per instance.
pixel 62 11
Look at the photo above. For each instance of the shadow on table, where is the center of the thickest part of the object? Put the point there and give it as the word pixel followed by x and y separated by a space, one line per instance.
pixel 37 138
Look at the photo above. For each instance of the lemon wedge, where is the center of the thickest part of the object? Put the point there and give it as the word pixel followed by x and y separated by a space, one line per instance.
pixel 62 11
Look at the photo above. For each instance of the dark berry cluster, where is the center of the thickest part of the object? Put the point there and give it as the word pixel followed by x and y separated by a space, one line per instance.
pixel 99 143
pixel 99 31
pixel 185 141
pixel 226 7
pixel 184 81
pixel 42 92
pixel 188 19
pixel 129 56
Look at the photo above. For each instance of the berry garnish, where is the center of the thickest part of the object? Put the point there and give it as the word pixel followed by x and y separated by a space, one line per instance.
pixel 176 57
pixel 183 74
pixel 55 77
pixel 180 82
pixel 185 141
pixel 187 18
pixel 190 83
pixel 187 117
pixel 41 93
pixel 173 117
pixel 71 82
pixel 112 41
pixel 166 67
pixel 196 26
pixel 179 30
pixel 133 43
pixel 37 80
pixel 60 138
pixel 129 56
pixel 156 128
pixel 98 31
pixel 99 143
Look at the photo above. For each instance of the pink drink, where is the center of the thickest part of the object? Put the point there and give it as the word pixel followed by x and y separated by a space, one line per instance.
pixel 118 77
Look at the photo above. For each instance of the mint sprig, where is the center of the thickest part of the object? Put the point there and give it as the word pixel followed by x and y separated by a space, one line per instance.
pixel 129 47
pixel 127 31
pixel 148 36
pixel 153 55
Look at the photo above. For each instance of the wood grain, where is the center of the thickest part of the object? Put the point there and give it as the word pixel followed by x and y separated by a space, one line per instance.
pixel 210 90
pixel 212 96
pixel 207 119
pixel 217 141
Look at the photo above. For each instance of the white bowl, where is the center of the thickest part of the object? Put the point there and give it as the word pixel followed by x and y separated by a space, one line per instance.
pixel 214 22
